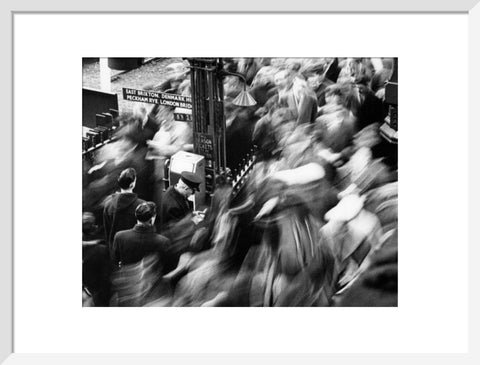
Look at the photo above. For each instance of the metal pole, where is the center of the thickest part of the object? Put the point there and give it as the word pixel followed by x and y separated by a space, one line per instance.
pixel 220 90
pixel 211 117
pixel 105 75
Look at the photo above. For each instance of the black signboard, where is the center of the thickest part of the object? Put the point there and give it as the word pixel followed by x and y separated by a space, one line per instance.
pixel 182 117
pixel 393 113
pixel 204 145
pixel 153 97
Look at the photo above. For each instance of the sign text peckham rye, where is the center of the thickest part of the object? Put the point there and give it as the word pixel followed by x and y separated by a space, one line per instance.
pixel 153 97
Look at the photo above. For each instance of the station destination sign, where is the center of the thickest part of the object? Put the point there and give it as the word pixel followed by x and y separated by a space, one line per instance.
pixel 154 97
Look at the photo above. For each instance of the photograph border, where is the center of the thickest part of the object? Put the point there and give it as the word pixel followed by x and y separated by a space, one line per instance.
pixel 10 8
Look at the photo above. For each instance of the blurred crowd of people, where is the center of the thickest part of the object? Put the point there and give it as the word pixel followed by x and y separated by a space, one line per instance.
pixel 315 224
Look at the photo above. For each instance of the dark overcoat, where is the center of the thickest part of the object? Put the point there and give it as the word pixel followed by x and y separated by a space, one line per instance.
pixel 174 206
pixel 119 214
pixel 133 245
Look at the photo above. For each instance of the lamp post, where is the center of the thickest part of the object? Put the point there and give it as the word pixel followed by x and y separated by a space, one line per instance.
pixel 208 116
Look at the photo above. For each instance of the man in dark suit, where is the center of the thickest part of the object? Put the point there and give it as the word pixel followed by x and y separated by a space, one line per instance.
pixel 131 246
pixel 175 205
pixel 119 209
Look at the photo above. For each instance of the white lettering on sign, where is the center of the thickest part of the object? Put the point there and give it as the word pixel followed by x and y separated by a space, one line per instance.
pixel 137 98
pixel 153 97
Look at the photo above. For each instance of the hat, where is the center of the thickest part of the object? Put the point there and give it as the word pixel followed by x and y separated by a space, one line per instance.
pixel 127 177
pixel 145 211
pixel 191 180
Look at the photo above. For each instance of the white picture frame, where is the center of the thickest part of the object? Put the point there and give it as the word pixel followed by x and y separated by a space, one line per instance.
pixel 7 246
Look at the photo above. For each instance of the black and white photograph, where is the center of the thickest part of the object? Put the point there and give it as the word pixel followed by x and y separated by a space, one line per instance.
pixel 240 182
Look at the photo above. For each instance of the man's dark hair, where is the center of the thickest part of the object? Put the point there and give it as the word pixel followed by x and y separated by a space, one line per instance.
pixel 145 211
pixel 127 177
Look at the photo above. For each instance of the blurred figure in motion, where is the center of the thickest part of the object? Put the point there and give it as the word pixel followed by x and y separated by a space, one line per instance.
pixel 362 172
pixel 119 210
pixel 377 285
pixel 142 258
pixel 318 83
pixel 175 74
pixel 139 284
pixel 353 233
pixel 95 262
pixel 210 274
pixel 383 201
pixel 335 126
pixel 249 68
pixel 295 266
pixel 298 97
